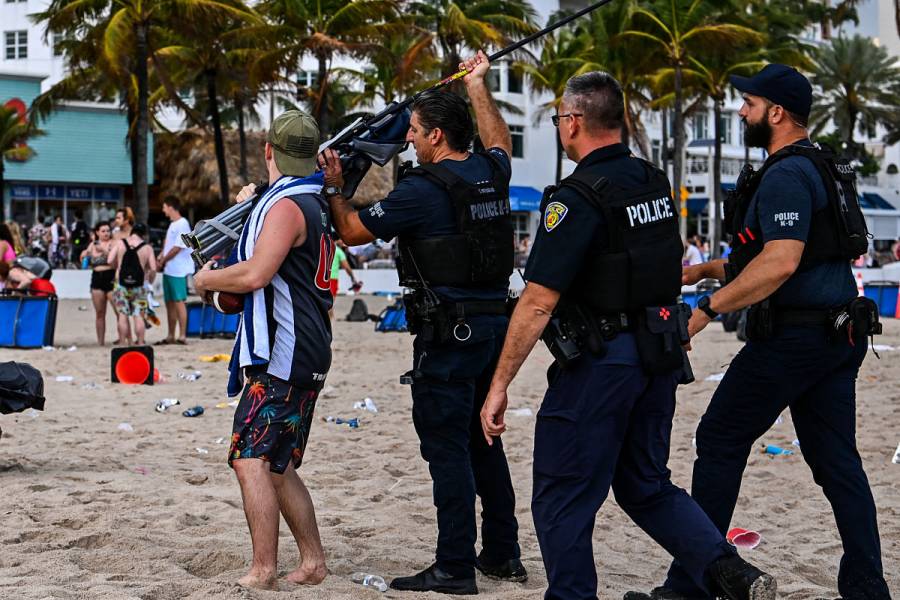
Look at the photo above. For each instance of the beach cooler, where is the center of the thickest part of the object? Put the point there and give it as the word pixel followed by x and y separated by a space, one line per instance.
pixel 27 321
pixel 205 321
pixel 885 294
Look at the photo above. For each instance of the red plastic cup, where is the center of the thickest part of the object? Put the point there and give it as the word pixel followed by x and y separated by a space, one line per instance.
pixel 743 538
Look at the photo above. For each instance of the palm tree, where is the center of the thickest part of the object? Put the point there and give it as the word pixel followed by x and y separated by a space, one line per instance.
pixel 472 24
pixel 710 79
pixel 15 129
pixel 680 28
pixel 324 29
pixel 201 56
pixel 559 61
pixel 858 87
pixel 125 31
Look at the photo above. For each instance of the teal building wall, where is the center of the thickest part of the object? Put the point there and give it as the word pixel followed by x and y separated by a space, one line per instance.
pixel 82 158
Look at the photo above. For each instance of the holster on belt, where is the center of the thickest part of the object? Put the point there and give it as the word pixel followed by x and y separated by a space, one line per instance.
pixel 434 320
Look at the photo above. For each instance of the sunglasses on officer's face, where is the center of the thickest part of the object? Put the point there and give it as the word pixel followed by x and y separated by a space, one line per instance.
pixel 556 118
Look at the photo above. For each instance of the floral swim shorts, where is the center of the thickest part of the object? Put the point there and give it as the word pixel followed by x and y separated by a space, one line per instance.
pixel 272 422
pixel 131 302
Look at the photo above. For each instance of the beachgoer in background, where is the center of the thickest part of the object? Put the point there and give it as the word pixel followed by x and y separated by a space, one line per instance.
pixel 37 244
pixel 135 265
pixel 283 268
pixel 80 235
pixel 18 242
pixel 59 243
pixel 692 254
pixel 7 245
pixel 124 221
pixel 4 274
pixel 102 276
pixel 32 274
pixel 175 261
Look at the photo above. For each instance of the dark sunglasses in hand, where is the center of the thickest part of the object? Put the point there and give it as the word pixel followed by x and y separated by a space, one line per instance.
pixel 556 118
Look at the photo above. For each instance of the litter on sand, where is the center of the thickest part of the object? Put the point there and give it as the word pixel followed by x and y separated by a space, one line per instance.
pixel 779 420
pixel 743 538
pixel 90 385
pixel 896 459
pixel 220 440
pixel 125 427
pixel 72 349
pixel 520 412
pixel 796 443
pixel 775 450
pixel 715 377
pixel 367 404
pixel 227 404
pixel 166 403
pixel 64 378
pixel 883 348
pixel 201 450
pixel 215 358
pixel 352 423
pixel 48 348
pixel 141 470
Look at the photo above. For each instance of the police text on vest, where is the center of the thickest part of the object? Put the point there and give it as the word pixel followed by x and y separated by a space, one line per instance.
pixel 650 211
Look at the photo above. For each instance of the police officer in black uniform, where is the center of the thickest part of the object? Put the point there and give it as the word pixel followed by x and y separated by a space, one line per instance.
pixel 451 217
pixel 796 225
pixel 603 279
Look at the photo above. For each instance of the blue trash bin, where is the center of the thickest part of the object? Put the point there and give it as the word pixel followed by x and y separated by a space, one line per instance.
pixel 194 319
pixel 885 294
pixel 27 321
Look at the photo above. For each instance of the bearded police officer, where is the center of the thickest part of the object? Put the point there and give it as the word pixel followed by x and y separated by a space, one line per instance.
pixel 796 225
pixel 452 219
pixel 603 278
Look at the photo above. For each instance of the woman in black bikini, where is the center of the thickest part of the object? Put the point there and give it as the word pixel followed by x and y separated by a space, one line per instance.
pixel 102 276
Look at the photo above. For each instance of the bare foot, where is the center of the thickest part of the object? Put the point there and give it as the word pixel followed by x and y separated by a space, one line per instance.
pixel 308 575
pixel 258 580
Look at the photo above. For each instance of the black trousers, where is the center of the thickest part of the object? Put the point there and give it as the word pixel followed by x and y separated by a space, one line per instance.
pixel 449 388
pixel 802 370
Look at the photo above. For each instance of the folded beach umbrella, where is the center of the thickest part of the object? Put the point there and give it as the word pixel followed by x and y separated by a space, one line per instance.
pixel 21 388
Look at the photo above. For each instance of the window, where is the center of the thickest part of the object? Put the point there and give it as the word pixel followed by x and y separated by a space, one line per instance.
pixel 308 78
pixel 699 127
pixel 514 81
pixel 655 155
pixel 493 79
pixel 16 44
pixel 12 1
pixel 725 127
pixel 518 140
pixel 57 44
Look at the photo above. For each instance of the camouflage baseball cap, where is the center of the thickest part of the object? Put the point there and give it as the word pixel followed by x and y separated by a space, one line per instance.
pixel 294 136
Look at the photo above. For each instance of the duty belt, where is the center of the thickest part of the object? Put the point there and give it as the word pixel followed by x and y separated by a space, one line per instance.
pixel 803 316
pixel 610 325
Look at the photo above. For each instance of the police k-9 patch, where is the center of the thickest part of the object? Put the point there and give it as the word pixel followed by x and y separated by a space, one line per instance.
pixel 554 214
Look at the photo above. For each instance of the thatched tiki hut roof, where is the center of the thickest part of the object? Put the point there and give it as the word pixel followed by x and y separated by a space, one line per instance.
pixel 186 168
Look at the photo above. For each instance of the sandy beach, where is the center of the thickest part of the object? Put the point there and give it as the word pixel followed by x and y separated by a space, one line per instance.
pixel 89 511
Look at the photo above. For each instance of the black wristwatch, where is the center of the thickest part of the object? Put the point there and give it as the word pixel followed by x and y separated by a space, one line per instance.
pixel 703 305
pixel 331 190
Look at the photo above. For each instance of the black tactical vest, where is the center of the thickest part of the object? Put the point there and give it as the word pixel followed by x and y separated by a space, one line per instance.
pixel 481 252
pixel 836 232
pixel 640 265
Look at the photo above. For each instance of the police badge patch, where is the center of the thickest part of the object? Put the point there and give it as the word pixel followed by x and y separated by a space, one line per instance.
pixel 554 214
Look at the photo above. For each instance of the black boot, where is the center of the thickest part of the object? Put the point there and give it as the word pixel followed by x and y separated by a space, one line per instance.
pixel 434 579
pixel 736 579
pixel 659 593
pixel 507 570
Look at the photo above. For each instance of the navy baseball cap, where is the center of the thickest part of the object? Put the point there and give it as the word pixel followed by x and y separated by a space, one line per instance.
pixel 780 84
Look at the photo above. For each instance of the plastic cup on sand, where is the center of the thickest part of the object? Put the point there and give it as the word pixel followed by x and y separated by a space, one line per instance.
pixel 743 538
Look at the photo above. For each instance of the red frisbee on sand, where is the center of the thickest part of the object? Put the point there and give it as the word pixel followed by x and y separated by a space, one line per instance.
pixel 133 368
pixel 743 538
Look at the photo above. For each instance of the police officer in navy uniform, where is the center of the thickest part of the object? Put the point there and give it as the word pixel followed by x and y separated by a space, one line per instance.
pixel 796 225
pixel 602 282
pixel 451 217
